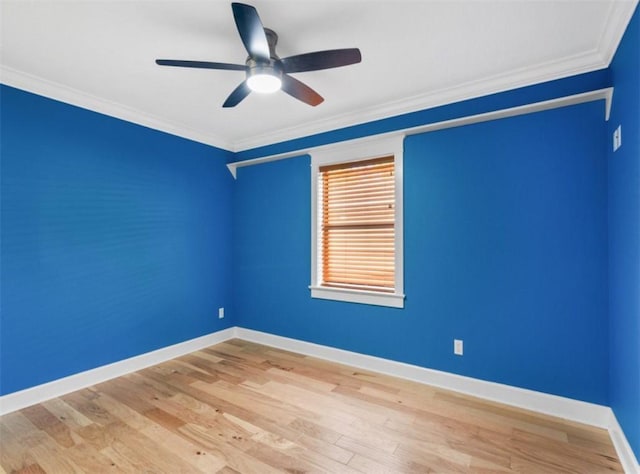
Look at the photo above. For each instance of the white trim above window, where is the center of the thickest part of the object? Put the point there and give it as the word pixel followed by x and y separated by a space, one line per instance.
pixel 352 153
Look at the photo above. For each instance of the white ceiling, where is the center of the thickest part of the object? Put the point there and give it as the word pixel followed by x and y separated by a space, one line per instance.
pixel 416 54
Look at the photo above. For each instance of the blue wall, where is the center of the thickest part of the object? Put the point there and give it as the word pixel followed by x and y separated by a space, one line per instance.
pixel 505 247
pixel 624 236
pixel 115 240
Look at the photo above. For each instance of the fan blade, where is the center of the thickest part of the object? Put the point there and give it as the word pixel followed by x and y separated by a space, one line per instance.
pixel 321 60
pixel 238 94
pixel 300 91
pixel 201 64
pixel 251 31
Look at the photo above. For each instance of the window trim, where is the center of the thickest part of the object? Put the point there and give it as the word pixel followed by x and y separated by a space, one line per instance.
pixel 348 153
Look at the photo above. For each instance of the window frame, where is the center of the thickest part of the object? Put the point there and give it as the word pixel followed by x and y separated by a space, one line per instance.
pixel 351 153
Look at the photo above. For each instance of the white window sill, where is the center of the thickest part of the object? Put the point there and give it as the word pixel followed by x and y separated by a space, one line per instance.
pixel 391 300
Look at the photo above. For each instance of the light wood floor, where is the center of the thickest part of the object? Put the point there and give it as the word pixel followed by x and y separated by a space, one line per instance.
pixel 242 407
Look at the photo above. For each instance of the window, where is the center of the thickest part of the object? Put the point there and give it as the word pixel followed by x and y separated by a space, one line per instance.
pixel 356 216
pixel 357 223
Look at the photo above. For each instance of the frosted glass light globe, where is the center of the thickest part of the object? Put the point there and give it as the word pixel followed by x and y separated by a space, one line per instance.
pixel 264 83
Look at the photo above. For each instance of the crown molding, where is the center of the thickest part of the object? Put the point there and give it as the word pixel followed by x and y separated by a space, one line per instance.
pixel 53 90
pixel 552 70
pixel 619 15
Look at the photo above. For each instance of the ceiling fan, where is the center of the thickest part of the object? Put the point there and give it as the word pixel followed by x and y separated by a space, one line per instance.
pixel 265 71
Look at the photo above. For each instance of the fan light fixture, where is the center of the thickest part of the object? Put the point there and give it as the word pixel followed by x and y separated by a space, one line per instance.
pixel 264 83
pixel 265 71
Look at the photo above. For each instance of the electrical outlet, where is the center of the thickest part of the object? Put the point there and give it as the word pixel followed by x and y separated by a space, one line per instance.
pixel 220 313
pixel 458 348
pixel 617 138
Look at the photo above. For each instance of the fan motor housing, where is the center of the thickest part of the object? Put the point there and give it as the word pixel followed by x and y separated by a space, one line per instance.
pixel 272 68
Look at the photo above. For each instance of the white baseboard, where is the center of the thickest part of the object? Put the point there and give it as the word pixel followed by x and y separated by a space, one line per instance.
pixel 40 393
pixel 627 458
pixel 575 410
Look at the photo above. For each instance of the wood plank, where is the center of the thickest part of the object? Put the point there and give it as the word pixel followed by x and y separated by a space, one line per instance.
pixel 49 423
